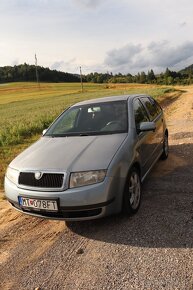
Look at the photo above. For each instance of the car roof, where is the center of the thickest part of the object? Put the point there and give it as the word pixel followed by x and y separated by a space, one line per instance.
pixel 108 99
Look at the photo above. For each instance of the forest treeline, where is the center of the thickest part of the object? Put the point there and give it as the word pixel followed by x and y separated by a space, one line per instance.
pixel 169 77
pixel 25 72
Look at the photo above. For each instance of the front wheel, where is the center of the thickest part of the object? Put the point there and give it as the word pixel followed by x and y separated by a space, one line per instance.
pixel 132 193
pixel 165 152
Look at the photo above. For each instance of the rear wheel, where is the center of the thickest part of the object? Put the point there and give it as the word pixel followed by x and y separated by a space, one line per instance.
pixel 132 193
pixel 165 152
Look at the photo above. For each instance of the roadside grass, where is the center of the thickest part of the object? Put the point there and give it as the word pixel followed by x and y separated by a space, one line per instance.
pixel 25 110
pixel 2 196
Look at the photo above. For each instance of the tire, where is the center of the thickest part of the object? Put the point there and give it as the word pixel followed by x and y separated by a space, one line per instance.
pixel 132 193
pixel 165 152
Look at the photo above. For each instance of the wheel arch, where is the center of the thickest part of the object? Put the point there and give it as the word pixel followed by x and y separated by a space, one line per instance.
pixel 137 166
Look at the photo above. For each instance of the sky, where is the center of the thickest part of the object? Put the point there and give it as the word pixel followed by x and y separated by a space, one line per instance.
pixel 126 36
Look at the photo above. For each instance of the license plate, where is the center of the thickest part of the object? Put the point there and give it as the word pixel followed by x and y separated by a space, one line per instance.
pixel 38 204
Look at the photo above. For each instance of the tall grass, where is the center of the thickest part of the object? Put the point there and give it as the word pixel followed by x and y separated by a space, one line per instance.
pixel 25 110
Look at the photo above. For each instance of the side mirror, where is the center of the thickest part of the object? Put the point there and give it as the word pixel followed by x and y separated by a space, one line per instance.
pixel 44 132
pixel 147 126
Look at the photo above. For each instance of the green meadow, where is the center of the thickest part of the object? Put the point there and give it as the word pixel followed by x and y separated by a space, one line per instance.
pixel 26 109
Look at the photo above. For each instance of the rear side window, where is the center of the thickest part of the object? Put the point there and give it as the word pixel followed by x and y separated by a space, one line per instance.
pixel 151 107
pixel 159 109
pixel 140 113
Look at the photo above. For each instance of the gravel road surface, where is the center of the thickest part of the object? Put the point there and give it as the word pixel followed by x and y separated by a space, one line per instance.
pixel 152 250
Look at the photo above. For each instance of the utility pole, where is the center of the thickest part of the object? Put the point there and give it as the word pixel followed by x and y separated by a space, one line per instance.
pixel 37 76
pixel 81 79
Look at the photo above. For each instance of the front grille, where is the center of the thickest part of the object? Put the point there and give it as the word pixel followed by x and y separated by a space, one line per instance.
pixel 48 180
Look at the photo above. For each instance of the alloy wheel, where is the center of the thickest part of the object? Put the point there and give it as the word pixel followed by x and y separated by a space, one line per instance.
pixel 134 190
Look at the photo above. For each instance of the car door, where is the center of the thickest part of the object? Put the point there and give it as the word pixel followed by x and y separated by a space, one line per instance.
pixel 145 140
pixel 155 115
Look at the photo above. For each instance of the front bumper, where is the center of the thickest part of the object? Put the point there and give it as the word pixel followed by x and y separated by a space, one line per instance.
pixel 83 203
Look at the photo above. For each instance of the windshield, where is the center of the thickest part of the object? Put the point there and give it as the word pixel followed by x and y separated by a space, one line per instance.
pixel 91 119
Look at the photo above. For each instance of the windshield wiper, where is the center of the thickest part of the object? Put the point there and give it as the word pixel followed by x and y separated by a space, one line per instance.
pixel 83 134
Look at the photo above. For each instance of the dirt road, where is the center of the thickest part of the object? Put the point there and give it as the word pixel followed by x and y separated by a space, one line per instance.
pixel 152 250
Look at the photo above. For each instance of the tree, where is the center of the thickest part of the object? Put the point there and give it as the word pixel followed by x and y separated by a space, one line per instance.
pixel 142 78
pixel 25 72
pixel 151 77
pixel 168 73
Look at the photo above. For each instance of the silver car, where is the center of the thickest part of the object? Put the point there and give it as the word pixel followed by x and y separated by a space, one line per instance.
pixel 91 161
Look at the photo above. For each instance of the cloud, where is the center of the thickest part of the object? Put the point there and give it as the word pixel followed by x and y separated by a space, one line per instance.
pixel 166 55
pixel 118 57
pixel 67 66
pixel 89 3
pixel 73 66
pixel 159 55
pixel 182 24
pixel 15 62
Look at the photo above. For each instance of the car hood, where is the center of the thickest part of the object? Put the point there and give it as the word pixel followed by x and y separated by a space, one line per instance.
pixel 70 154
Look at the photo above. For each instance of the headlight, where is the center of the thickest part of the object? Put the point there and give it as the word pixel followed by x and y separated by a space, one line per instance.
pixel 12 175
pixel 86 178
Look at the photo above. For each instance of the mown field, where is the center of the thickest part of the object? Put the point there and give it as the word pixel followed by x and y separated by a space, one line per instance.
pixel 25 110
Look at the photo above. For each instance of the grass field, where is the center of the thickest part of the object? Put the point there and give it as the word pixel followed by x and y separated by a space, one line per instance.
pixel 25 110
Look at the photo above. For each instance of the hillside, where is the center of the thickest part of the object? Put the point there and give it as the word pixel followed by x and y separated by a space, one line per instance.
pixel 187 70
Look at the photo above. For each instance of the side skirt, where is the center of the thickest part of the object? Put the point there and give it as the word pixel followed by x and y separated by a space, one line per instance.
pixel 148 171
